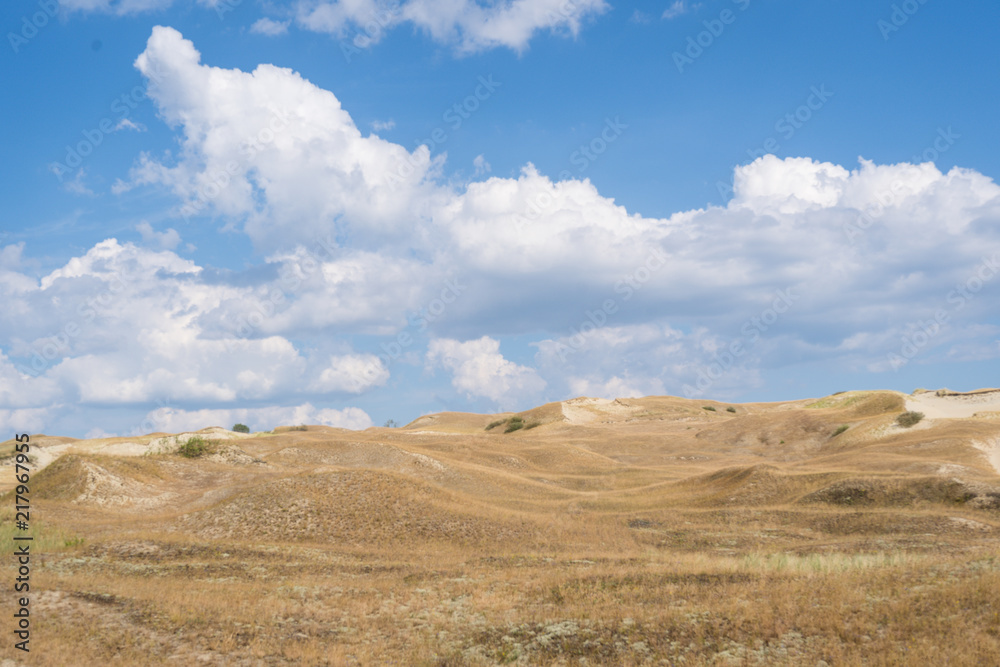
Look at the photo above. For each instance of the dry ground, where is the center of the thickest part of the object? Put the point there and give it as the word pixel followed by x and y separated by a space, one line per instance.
pixel 632 532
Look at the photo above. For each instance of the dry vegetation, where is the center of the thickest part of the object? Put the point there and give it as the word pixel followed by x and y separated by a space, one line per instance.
pixel 634 532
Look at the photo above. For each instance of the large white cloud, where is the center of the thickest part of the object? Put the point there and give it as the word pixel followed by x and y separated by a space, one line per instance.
pixel 861 246
pixel 248 138
pixel 809 262
pixel 479 370
pixel 125 326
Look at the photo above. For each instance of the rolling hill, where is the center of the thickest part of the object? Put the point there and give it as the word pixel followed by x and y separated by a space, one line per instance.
pixel 655 530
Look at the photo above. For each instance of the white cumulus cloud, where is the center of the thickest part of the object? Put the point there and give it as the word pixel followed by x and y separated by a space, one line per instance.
pixel 478 369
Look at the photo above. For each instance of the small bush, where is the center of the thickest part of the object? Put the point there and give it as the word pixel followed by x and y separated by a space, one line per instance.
pixel 300 427
pixel 532 425
pixel 709 408
pixel 730 409
pixel 391 423
pixel 514 424
pixel 241 428
pixel 194 447
pixel 909 418
pixel 840 429
pixel 493 425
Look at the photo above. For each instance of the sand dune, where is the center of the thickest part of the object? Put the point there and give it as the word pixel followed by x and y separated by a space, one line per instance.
pixel 954 405
pixel 447 542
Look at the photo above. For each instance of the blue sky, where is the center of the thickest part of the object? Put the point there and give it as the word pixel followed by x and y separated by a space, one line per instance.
pixel 235 211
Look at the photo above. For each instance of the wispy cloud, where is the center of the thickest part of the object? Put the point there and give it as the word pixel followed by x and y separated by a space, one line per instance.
pixel 270 27
pixel 640 17
pixel 677 9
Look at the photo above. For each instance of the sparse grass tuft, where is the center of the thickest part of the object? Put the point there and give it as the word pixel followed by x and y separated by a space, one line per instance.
pixel 514 424
pixel 840 429
pixel 532 425
pixel 909 418
pixel 494 424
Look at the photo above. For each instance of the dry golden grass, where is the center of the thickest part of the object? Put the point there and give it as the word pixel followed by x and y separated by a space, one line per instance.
pixel 635 532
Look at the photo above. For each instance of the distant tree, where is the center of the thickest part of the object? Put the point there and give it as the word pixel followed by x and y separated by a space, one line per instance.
pixel 391 423
pixel 241 428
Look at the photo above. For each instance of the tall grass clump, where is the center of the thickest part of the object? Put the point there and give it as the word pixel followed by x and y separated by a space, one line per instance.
pixel 514 424
pixel 909 418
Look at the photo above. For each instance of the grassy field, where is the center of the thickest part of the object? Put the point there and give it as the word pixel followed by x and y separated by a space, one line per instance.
pixel 634 532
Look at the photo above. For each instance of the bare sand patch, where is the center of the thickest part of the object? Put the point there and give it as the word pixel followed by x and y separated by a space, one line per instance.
pixel 954 405
pixel 991 448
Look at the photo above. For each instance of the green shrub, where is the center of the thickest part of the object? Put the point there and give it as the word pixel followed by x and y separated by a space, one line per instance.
pixel 909 418
pixel 194 447
pixel 532 425
pixel 514 424
pixel 493 425
pixel 730 409
pixel 241 428
pixel 840 429
pixel 300 427
pixel 709 408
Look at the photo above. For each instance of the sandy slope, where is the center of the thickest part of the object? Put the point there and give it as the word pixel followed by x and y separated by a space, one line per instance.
pixel 954 405
pixel 991 448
